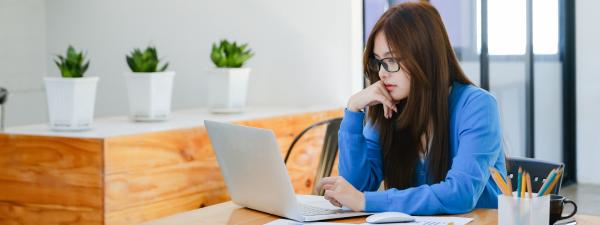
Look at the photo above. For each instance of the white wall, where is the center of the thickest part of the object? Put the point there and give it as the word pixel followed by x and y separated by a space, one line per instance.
pixel 588 91
pixel 23 58
pixel 306 51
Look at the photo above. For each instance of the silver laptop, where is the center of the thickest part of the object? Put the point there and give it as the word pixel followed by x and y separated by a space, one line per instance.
pixel 256 176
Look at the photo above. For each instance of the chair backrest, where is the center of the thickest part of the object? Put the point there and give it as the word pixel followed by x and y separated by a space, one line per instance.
pixel 538 169
pixel 3 97
pixel 329 150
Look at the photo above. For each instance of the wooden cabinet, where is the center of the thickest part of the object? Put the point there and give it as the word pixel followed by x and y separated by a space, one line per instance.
pixel 134 177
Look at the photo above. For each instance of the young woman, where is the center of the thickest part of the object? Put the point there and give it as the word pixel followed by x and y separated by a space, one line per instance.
pixel 430 134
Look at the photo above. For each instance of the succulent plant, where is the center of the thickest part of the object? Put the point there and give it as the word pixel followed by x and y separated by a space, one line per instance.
pixel 230 55
pixel 146 61
pixel 72 65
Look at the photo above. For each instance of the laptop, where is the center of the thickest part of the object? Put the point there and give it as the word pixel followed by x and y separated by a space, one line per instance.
pixel 257 178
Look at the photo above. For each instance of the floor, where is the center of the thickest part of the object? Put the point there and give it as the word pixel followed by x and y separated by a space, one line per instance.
pixel 586 196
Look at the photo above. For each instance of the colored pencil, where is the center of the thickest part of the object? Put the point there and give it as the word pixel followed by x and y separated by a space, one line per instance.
pixel 519 180
pixel 523 184
pixel 546 179
pixel 499 181
pixel 510 189
pixel 554 182
pixel 547 183
pixel 529 192
pixel 547 176
pixel 529 187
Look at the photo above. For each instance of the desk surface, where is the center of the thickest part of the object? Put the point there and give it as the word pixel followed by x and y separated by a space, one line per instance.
pixel 230 213
pixel 123 125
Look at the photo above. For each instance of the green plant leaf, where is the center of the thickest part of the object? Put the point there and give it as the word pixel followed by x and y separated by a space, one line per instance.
pixel 230 54
pixel 164 67
pixel 72 64
pixel 85 67
pixel 144 61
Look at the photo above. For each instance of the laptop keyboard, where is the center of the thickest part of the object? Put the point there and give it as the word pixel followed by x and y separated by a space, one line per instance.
pixel 308 210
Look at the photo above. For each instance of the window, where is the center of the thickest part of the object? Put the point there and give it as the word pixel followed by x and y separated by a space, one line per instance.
pixel 507 27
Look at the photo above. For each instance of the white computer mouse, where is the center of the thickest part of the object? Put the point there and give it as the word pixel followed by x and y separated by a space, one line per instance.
pixel 390 217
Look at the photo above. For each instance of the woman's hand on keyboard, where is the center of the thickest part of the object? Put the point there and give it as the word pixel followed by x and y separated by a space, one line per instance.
pixel 341 193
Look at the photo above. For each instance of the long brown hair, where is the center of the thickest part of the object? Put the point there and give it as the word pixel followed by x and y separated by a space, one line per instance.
pixel 418 40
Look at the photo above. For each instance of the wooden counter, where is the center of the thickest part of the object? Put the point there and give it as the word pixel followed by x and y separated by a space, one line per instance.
pixel 230 213
pixel 126 173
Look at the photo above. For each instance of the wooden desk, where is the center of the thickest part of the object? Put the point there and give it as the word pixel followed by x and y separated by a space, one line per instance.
pixel 123 172
pixel 230 213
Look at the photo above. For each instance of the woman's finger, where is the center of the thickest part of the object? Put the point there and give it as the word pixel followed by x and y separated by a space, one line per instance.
pixel 387 95
pixel 324 181
pixel 384 92
pixel 328 198
pixel 377 99
pixel 330 195
pixel 385 111
pixel 384 101
pixel 335 203
pixel 328 187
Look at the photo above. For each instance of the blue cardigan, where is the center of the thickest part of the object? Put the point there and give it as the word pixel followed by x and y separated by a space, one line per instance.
pixel 475 145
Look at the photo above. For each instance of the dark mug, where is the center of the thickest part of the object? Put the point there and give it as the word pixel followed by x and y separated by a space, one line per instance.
pixel 557 203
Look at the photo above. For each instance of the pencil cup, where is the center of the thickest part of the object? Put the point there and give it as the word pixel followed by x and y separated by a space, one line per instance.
pixel 523 211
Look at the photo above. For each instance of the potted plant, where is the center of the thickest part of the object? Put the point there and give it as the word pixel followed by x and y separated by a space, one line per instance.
pixel 71 97
pixel 228 81
pixel 149 86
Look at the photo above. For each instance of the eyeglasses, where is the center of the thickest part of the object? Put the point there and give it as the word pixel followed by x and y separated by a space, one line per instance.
pixel 389 64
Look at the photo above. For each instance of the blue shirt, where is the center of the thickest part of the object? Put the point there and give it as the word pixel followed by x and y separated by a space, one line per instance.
pixel 475 145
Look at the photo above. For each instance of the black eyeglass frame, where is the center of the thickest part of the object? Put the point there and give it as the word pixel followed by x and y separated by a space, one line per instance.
pixel 381 62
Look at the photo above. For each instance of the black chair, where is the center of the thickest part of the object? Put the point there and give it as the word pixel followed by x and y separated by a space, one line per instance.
pixel 538 169
pixel 330 148
pixel 3 97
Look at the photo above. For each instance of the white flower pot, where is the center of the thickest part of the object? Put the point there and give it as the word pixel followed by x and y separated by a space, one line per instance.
pixel 227 90
pixel 150 95
pixel 71 102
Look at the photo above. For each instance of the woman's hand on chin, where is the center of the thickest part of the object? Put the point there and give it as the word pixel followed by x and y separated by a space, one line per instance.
pixel 341 193
pixel 373 95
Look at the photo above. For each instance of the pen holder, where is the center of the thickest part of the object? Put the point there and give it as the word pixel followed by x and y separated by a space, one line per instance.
pixel 523 211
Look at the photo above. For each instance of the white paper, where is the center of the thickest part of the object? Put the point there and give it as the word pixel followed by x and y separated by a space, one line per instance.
pixel 434 220
pixel 419 220
pixel 292 222
pixel 443 220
